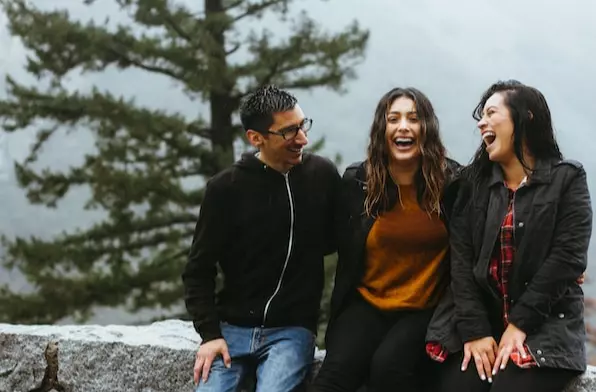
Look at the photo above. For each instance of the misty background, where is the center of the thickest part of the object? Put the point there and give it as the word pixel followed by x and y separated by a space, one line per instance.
pixel 452 51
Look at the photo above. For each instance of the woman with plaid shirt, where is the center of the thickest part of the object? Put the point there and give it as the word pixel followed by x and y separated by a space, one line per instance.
pixel 517 250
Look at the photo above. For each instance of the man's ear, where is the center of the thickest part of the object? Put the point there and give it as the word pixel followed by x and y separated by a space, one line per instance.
pixel 256 139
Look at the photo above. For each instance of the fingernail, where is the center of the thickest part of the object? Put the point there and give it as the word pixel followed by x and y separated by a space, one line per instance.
pixel 502 367
pixel 483 378
pixel 494 372
pixel 463 369
pixel 490 380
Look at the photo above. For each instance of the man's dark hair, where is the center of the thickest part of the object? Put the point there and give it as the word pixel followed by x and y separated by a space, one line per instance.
pixel 257 108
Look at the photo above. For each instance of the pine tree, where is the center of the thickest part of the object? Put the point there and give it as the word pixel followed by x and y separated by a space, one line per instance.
pixel 149 166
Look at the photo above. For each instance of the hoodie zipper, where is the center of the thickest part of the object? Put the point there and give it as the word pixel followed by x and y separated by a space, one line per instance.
pixel 290 244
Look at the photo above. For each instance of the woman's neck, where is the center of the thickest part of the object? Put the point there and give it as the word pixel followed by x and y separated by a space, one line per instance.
pixel 514 172
pixel 403 174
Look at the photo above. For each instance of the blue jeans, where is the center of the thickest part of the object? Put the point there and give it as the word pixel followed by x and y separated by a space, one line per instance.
pixel 283 358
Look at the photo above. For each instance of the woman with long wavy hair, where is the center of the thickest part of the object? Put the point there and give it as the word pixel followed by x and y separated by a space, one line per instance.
pixel 392 267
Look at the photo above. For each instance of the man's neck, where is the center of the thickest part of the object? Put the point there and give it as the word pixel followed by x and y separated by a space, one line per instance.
pixel 283 169
pixel 403 174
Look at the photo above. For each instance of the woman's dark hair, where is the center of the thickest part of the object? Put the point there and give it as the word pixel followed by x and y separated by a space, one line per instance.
pixel 532 126
pixel 430 178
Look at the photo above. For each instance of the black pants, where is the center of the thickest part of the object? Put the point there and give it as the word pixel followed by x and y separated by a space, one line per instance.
pixel 512 379
pixel 384 350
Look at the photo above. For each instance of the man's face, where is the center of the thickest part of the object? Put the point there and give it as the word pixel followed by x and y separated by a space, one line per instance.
pixel 279 152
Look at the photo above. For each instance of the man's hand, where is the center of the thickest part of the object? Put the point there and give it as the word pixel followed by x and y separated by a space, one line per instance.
pixel 513 339
pixel 205 356
pixel 483 351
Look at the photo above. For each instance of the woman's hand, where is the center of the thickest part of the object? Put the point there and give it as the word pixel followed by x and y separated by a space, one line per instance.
pixel 483 351
pixel 513 339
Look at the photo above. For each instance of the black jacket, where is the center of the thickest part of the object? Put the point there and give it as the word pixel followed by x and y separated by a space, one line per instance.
pixel 356 225
pixel 269 233
pixel 553 225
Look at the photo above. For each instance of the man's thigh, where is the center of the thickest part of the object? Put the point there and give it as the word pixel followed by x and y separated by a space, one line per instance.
pixel 222 379
pixel 285 359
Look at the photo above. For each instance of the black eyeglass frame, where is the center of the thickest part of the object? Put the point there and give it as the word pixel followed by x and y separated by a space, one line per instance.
pixel 293 130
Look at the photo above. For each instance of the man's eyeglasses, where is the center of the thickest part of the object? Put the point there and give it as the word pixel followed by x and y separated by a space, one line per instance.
pixel 291 132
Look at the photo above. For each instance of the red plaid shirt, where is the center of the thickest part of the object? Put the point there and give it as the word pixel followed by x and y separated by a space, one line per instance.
pixel 499 267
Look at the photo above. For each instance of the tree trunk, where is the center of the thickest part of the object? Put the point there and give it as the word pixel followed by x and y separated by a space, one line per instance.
pixel 222 104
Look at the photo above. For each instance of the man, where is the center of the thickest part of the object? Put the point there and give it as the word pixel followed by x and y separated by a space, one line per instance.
pixel 268 221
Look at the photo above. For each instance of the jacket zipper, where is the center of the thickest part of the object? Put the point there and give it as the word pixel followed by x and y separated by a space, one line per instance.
pixel 290 243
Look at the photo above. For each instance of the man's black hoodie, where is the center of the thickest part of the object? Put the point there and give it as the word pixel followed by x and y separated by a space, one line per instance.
pixel 269 233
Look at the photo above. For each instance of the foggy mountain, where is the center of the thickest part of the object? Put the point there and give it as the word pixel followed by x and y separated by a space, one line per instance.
pixel 452 51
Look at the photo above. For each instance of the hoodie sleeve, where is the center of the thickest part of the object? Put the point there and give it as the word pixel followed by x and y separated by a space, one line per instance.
pixel 335 213
pixel 200 271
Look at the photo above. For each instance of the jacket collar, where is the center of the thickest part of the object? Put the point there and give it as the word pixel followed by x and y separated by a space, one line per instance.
pixel 540 175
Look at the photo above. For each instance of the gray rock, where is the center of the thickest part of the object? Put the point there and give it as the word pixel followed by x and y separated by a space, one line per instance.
pixel 152 358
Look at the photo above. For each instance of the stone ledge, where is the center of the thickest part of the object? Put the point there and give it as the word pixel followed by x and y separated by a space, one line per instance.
pixel 152 358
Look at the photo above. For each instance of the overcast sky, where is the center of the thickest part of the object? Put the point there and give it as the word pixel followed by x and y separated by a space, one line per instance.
pixel 451 50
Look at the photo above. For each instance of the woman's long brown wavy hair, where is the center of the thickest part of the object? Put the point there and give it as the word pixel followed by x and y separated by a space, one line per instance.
pixel 430 178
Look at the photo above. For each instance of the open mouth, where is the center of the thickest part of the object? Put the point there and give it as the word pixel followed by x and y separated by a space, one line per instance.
pixel 403 142
pixel 295 150
pixel 488 138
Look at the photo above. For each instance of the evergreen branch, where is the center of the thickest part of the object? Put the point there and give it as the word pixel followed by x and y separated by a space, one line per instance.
pixel 61 45
pixel 232 5
pixel 307 59
pixel 124 61
pixel 234 49
pixel 106 230
pixel 175 27
pixel 147 169
pixel 254 9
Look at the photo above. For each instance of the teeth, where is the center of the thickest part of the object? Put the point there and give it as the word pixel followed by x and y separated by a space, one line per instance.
pixel 488 134
pixel 403 139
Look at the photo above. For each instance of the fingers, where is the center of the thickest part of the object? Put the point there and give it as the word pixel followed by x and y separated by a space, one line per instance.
pixel 467 357
pixel 486 367
pixel 479 366
pixel 491 354
pixel 505 358
pixel 207 367
pixel 226 357
pixel 497 362
pixel 502 359
pixel 198 368
pixel 522 350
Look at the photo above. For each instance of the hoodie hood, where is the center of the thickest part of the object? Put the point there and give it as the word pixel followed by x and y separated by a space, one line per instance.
pixel 249 160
